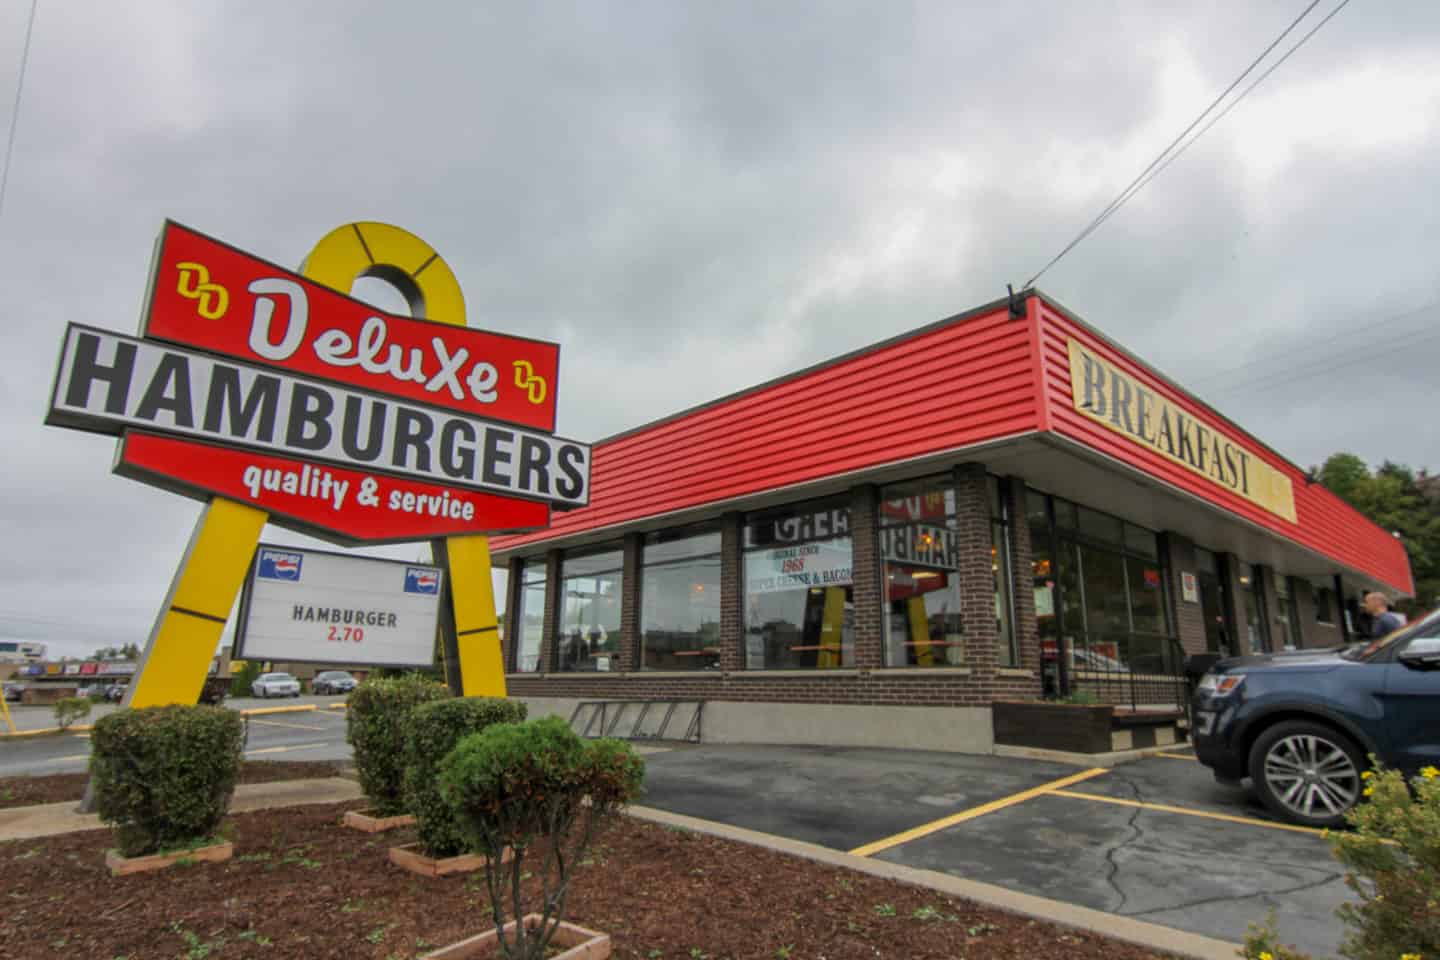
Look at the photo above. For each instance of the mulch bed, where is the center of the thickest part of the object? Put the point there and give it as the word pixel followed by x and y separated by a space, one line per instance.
pixel 303 886
pixel 65 787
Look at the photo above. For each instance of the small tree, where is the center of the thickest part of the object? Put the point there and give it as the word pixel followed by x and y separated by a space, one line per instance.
pixel 70 709
pixel 435 729
pixel 535 787
pixel 164 776
pixel 377 720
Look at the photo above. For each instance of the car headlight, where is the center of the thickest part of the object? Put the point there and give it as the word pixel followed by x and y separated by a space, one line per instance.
pixel 1221 684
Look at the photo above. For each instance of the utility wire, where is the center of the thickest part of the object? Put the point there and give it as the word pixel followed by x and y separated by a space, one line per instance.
pixel 15 110
pixel 1289 360
pixel 1135 184
pixel 1324 368
pixel 1230 106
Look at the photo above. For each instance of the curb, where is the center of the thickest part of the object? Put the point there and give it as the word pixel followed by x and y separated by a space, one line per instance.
pixel 73 728
pixel 297 708
pixel 1149 935
pixel 1107 760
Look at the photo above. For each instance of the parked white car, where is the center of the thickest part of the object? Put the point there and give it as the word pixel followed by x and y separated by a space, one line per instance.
pixel 275 685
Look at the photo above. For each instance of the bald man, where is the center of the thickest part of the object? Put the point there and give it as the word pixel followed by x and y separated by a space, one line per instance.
pixel 1383 620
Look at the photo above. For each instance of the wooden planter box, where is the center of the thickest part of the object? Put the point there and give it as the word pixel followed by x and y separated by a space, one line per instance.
pixel 361 820
pixel 409 857
pixel 120 866
pixel 1074 728
pixel 577 944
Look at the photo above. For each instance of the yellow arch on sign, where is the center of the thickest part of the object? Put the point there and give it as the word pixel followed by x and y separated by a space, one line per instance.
pixel 370 249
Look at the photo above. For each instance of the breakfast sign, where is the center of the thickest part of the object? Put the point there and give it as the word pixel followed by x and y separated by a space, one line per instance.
pixel 275 396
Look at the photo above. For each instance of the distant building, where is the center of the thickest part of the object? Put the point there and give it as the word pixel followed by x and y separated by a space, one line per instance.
pixel 21 651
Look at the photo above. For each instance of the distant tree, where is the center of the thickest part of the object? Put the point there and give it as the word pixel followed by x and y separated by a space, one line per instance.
pixel 1398 500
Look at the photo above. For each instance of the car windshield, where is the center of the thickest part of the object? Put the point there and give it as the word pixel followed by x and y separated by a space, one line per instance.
pixel 277 676
pixel 1365 651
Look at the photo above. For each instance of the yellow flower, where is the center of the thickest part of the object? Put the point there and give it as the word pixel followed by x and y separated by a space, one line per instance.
pixel 1369 791
pixel 1368 774
pixel 1267 955
pixel 1410 956
pixel 1429 773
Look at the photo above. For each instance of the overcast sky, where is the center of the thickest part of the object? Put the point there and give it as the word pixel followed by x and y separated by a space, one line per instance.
pixel 693 197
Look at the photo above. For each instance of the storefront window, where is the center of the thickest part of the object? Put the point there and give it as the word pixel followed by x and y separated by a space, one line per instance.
pixel 1285 614
pixel 680 601
pixel 529 621
pixel 589 633
pixel 920 550
pixel 799 596
pixel 1324 604
pixel 1256 628
pixel 1042 565
pixel 1000 572
pixel 1113 614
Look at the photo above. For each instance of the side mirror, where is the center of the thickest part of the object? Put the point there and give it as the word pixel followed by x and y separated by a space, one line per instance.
pixel 1420 659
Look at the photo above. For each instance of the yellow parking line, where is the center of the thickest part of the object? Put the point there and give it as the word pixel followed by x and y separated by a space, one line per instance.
pixel 291 726
pixel 1175 756
pixel 925 829
pixel 300 746
pixel 1186 811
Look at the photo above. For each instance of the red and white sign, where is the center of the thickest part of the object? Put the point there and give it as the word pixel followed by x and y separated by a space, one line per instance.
pixel 331 502
pixel 209 295
pixel 339 420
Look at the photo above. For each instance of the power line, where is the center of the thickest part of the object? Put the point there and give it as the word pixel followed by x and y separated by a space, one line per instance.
pixel 1323 368
pixel 1289 360
pixel 15 110
pixel 1232 104
pixel 1140 180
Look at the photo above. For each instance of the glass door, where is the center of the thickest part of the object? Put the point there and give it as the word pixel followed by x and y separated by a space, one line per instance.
pixel 1215 606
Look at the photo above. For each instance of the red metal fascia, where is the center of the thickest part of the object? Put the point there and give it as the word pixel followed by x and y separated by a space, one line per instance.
pixel 1324 523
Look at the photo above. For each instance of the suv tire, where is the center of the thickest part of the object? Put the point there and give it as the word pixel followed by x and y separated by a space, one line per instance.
pixel 1307 772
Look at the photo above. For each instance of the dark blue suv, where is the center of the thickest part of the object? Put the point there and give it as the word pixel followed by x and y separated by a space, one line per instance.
pixel 1301 725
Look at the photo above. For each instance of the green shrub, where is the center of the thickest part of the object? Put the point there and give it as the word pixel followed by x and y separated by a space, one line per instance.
pixel 70 709
pixel 377 718
pixel 248 673
pixel 163 776
pixel 435 729
pixel 1392 864
pixel 519 785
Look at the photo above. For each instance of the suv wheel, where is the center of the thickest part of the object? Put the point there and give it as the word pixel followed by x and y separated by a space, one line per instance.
pixel 1306 772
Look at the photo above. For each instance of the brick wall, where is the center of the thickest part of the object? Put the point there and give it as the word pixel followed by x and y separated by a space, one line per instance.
pixel 549 646
pixel 977 576
pixel 1179 558
pixel 732 601
pixel 867 572
pixel 912 686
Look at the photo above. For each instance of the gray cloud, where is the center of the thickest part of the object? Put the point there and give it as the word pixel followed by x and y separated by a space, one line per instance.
pixel 694 198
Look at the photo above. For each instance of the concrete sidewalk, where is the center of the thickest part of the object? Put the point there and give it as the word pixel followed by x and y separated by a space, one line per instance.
pixel 22 823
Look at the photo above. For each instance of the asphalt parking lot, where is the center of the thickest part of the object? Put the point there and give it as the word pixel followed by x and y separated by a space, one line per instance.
pixel 317 734
pixel 1157 840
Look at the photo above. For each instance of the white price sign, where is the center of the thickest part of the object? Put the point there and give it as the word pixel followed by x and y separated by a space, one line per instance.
pixel 310 606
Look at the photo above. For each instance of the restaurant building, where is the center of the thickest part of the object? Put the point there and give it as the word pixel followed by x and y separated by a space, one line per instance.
pixel 1004 505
